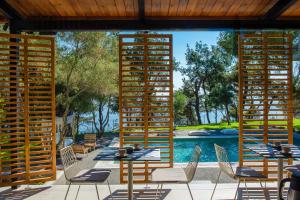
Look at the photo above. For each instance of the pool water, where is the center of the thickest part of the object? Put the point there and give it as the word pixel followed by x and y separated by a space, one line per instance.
pixel 183 148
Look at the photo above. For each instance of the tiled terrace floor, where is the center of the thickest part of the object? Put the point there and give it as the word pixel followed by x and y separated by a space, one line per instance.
pixel 201 190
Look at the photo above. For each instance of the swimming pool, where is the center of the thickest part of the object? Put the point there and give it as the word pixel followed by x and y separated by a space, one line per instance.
pixel 183 148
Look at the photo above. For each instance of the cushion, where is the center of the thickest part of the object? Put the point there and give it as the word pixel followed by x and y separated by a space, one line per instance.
pixel 171 175
pixel 246 172
pixel 91 175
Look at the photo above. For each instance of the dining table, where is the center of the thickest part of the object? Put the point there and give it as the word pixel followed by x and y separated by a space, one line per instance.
pixel 270 151
pixel 146 154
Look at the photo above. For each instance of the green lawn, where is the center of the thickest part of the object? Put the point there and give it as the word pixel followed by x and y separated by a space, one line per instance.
pixel 233 125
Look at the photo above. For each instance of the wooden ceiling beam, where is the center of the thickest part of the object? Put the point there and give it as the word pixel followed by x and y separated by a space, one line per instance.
pixel 278 8
pixel 141 10
pixel 159 24
pixel 8 11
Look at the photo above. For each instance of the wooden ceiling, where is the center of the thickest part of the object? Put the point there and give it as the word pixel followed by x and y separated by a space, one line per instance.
pixel 153 8
pixel 143 10
pixel 75 8
pixel 207 8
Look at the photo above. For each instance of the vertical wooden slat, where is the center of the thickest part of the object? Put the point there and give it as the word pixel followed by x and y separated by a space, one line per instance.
pixel 120 107
pixel 266 110
pixel 146 99
pixel 240 92
pixel 290 94
pixel 53 110
pixel 171 136
pixel 26 110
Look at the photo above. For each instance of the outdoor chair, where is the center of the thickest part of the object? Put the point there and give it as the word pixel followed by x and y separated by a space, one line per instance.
pixel 177 175
pixel 90 141
pixel 92 176
pixel 241 173
pixel 80 149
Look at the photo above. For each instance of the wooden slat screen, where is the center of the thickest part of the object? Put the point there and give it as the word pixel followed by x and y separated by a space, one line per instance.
pixel 265 95
pixel 146 99
pixel 27 109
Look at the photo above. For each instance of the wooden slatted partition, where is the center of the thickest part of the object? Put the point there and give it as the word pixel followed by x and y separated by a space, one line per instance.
pixel 27 109
pixel 146 99
pixel 265 96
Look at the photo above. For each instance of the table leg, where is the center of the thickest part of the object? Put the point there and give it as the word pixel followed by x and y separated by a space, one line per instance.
pixel 130 180
pixel 280 175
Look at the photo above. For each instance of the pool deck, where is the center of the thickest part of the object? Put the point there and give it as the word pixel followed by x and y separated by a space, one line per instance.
pixel 200 190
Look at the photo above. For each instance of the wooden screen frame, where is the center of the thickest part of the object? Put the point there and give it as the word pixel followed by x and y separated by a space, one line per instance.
pixel 27 123
pixel 265 78
pixel 146 78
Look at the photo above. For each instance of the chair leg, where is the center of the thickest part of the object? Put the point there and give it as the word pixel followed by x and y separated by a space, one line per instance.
pixel 77 192
pixel 264 188
pixel 246 189
pixel 109 189
pixel 157 191
pixel 190 191
pixel 68 190
pixel 236 192
pixel 216 184
pixel 97 191
pixel 160 191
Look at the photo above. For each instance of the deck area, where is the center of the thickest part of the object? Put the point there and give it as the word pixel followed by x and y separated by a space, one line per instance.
pixel 201 191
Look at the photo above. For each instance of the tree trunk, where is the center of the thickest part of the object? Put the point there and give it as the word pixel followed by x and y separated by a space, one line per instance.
pixel 216 115
pixel 75 125
pixel 100 112
pixel 103 117
pixel 205 104
pixel 236 111
pixel 227 114
pixel 197 109
pixel 94 122
pixel 60 144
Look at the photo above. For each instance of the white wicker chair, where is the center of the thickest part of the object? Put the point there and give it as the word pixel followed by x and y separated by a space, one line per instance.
pixel 92 176
pixel 177 175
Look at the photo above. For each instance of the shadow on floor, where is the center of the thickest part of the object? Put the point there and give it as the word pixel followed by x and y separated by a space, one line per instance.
pixel 20 194
pixel 142 194
pixel 258 193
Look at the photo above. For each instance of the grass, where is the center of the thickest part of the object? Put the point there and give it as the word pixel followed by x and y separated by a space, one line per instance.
pixel 233 125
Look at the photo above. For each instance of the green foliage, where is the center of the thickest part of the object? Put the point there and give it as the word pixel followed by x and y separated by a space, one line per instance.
pixel 2 111
pixel 233 125
pixel 208 79
pixel 228 40
pixel 180 102
pixel 87 68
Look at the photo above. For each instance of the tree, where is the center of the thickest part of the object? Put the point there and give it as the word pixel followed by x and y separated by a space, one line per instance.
pixel 228 40
pixel 222 94
pixel 83 104
pixel 205 67
pixel 107 78
pixel 2 111
pixel 196 72
pixel 79 56
pixel 180 102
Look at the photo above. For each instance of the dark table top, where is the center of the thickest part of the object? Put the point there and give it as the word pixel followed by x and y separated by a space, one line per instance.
pixel 268 151
pixel 109 154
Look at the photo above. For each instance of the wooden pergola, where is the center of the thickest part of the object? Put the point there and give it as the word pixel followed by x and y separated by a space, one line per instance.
pixel 27 70
pixel 67 15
